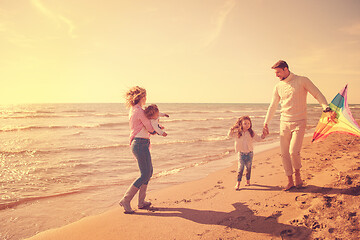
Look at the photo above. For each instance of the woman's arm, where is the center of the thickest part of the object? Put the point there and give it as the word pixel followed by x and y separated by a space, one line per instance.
pixel 155 125
pixel 144 120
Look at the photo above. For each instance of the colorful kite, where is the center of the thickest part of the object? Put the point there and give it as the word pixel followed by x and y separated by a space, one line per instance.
pixel 343 123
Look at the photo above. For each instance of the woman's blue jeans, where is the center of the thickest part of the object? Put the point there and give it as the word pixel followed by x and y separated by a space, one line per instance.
pixel 140 149
pixel 245 160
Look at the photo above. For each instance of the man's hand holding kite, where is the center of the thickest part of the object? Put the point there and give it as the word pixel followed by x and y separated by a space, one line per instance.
pixel 336 118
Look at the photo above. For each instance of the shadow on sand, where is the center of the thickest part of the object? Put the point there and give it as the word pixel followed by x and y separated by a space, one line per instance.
pixel 242 218
pixel 353 191
pixel 260 187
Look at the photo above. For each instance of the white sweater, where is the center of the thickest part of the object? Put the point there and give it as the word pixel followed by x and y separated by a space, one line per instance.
pixel 291 93
pixel 244 143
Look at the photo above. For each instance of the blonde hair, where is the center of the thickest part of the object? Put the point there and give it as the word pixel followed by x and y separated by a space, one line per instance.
pixel 134 95
pixel 151 110
pixel 238 128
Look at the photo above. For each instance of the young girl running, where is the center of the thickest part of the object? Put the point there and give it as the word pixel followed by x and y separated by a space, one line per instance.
pixel 244 137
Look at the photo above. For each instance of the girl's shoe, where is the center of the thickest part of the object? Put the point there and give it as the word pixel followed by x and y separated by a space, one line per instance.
pixel 237 186
pixel 248 183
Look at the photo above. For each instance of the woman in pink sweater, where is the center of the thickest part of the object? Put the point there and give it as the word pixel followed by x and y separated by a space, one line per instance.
pixel 139 142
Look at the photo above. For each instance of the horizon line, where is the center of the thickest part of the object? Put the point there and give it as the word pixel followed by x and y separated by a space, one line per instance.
pixel 30 103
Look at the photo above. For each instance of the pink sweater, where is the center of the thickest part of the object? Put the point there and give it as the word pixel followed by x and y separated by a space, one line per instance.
pixel 138 120
pixel 291 93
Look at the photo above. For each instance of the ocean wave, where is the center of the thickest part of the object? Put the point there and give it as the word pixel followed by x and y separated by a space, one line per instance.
pixel 43 111
pixel 243 111
pixel 204 128
pixel 193 112
pixel 196 162
pixel 197 119
pixel 78 111
pixel 91 148
pixel 85 126
pixel 32 152
pixel 207 139
pixel 39 116
pixel 11 203
pixel 117 124
pixel 109 114
pixel 53 115
pixel 17 202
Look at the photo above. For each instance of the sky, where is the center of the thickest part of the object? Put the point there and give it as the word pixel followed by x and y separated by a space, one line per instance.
pixel 204 51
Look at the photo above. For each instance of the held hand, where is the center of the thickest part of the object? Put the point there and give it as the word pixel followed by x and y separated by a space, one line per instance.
pixel 265 130
pixel 164 134
pixel 332 116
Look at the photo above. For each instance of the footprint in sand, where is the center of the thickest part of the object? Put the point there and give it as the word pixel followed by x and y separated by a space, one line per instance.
pixel 310 176
pixel 287 233
pixel 203 233
pixel 183 200
pixel 303 201
pixel 348 180
pixel 283 205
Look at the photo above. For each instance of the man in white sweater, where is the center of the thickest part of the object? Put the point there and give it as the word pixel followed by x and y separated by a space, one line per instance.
pixel 291 93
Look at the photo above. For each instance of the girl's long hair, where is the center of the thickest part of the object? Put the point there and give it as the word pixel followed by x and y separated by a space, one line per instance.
pixel 134 95
pixel 237 128
pixel 151 110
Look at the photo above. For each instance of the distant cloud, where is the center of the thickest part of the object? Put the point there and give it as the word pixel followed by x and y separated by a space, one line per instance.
pixel 353 29
pixel 220 21
pixel 151 9
pixel 2 27
pixel 58 17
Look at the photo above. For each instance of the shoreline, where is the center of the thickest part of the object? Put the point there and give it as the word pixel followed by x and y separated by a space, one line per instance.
pixel 36 214
pixel 210 208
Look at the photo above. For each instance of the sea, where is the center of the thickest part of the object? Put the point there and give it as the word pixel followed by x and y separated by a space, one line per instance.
pixel 62 162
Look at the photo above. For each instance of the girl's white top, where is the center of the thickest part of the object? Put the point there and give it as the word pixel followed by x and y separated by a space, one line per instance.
pixel 143 133
pixel 156 126
pixel 244 143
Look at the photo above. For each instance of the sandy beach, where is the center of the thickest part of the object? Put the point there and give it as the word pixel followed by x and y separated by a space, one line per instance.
pixel 210 208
